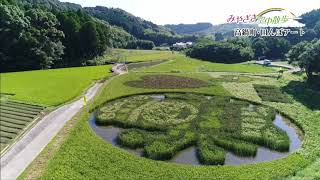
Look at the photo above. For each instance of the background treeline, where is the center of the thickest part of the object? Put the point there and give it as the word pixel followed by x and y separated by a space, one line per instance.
pixel 42 34
pixel 140 44
pixel 139 28
pixel 34 37
pixel 235 50
pixel 189 28
pixel 221 52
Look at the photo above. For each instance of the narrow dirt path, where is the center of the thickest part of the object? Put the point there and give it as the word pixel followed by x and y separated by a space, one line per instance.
pixel 21 154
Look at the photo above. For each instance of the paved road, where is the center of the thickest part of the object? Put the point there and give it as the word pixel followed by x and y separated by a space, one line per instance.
pixel 17 159
pixel 290 68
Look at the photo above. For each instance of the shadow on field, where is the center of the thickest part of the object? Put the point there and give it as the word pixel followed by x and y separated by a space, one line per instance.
pixel 302 92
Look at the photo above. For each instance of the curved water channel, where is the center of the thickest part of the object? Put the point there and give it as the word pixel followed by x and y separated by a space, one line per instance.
pixel 189 155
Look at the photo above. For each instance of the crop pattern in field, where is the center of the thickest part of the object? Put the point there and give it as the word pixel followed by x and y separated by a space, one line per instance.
pixel 14 118
pixel 272 94
pixel 167 82
pixel 163 127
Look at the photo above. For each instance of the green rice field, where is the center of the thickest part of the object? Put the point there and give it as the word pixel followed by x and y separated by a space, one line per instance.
pixel 51 87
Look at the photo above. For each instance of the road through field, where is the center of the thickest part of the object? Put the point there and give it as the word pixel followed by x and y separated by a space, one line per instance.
pixel 17 159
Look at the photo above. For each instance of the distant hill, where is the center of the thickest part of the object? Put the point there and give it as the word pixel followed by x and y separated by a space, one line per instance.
pixel 118 17
pixel 311 18
pixel 189 28
pixel 206 28
pixel 137 26
pixel 225 28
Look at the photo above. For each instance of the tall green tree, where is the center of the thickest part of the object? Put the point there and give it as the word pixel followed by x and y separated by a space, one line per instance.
pixel 260 47
pixel 307 56
pixel 89 40
pixel 13 25
pixel 47 38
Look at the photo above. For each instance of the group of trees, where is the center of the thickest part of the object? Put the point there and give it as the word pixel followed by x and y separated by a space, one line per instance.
pixel 30 39
pixel 234 50
pixel 222 52
pixel 34 37
pixel 270 47
pixel 42 34
pixel 140 44
pixel 86 38
pixel 306 55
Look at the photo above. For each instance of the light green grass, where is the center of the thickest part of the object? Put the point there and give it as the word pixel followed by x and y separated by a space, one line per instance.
pixel 310 172
pixel 136 55
pixel 51 87
pixel 181 63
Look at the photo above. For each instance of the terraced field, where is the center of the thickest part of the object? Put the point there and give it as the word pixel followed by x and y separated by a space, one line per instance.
pixel 15 117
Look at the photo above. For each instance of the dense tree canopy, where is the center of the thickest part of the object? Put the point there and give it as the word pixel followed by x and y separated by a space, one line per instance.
pixel 270 47
pixel 306 55
pixel 30 39
pixel 222 52
pixel 140 44
pixel 37 38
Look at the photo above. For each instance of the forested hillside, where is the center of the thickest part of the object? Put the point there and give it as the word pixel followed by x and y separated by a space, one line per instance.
pixel 41 38
pixel 51 4
pixel 189 28
pixel 138 27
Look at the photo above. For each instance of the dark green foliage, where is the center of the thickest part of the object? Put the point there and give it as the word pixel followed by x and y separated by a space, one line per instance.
pixel 139 28
pixel 304 93
pixel 140 44
pixel 271 93
pixel 270 47
pixel 7 2
pixel 159 150
pixel 166 147
pixel 188 28
pixel 36 38
pixel 237 147
pixel 84 38
pixel 30 39
pixel 50 4
pixel 306 55
pixel 131 138
pixel 221 52
pixel 311 18
pixel 210 154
